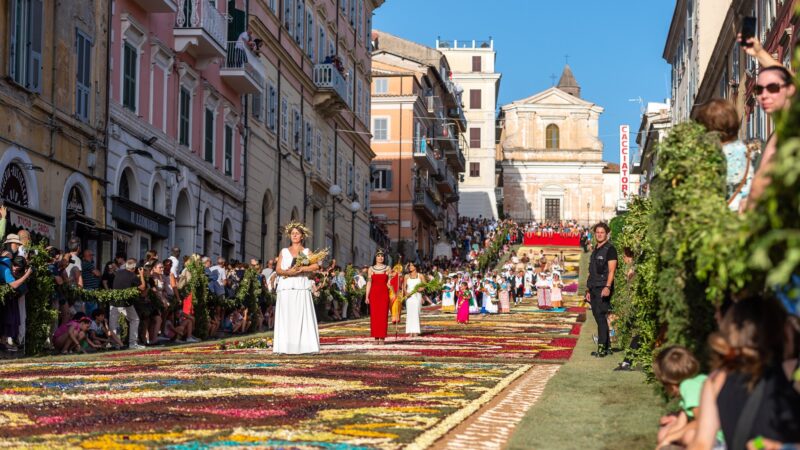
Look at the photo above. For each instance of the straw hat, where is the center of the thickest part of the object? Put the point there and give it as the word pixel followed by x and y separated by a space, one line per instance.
pixel 13 239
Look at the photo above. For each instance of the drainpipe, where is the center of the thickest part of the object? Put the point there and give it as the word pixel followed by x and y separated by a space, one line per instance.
pixel 279 158
pixel 107 120
pixel 399 172
pixel 335 175
pixel 303 150
pixel 199 196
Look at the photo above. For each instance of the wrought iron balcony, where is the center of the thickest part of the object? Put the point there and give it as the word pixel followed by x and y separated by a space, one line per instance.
pixel 446 182
pixel 331 94
pixel 456 157
pixel 242 69
pixel 200 30
pixel 424 203
pixel 424 154
pixel 158 6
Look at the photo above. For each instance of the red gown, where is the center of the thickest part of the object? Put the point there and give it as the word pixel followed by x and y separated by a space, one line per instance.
pixel 379 305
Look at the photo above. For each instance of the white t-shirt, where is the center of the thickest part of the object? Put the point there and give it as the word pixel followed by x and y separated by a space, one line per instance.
pixel 74 269
pixel 241 42
pixel 175 270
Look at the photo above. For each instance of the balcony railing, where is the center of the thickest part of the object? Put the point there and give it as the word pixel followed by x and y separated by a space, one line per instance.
pixel 466 43
pixel 425 203
pixel 202 14
pixel 332 88
pixel 424 154
pixel 242 69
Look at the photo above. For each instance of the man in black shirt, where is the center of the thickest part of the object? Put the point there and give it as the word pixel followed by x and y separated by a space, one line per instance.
pixel 602 266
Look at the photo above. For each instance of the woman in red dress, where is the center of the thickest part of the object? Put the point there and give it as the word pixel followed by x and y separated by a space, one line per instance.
pixel 378 298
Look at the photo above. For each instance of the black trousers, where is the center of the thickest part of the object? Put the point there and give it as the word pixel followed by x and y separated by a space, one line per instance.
pixel 600 308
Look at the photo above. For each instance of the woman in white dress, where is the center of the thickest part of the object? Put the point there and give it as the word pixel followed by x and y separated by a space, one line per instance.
pixel 414 302
pixel 295 320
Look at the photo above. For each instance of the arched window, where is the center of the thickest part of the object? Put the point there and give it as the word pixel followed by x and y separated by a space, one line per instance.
pixel 208 234
pixel 125 185
pixel 552 136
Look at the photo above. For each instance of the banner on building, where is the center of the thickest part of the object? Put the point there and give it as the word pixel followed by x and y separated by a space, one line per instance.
pixel 624 163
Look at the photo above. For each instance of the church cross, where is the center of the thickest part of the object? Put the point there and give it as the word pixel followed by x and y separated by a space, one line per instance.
pixel 553 78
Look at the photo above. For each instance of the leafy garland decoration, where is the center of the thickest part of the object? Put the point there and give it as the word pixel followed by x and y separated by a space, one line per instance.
pixel 39 302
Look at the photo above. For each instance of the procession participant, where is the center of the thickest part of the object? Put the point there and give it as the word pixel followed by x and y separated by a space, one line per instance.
pixel 519 287
pixel 505 304
pixel 377 297
pixel 600 284
pixel 295 319
pixel 555 290
pixel 449 294
pixel 395 300
pixel 462 306
pixel 413 302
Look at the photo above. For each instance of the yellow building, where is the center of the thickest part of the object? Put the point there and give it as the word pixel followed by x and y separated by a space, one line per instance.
pixel 53 113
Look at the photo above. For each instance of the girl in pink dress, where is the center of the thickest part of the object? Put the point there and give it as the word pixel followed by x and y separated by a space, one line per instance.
pixel 462 304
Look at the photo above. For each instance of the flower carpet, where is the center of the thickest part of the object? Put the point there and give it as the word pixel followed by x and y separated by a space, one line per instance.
pixel 406 394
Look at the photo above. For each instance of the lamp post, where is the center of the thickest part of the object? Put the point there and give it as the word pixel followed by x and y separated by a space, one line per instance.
pixel 334 190
pixel 354 207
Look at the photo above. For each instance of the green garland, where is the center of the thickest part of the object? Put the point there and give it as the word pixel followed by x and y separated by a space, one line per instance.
pixel 38 302
pixel 5 291
pixel 248 295
pixel 198 288
pixel 111 297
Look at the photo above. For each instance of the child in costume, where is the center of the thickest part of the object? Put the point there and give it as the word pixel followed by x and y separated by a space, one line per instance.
pixel 462 303
pixel 543 291
pixel 555 291
pixel 505 303
pixel 449 295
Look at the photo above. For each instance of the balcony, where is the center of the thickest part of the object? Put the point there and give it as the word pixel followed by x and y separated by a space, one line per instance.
pixel 242 70
pixel 158 6
pixel 445 182
pixel 424 204
pixel 424 154
pixel 456 157
pixel 200 31
pixel 331 95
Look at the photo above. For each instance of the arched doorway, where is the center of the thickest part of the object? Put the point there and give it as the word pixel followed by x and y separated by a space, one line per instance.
pixel 227 240
pixel 184 226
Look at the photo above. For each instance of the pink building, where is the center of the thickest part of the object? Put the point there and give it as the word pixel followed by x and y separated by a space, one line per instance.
pixel 176 130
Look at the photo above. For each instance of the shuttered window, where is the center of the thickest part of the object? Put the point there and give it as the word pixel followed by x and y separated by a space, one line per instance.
pixel 25 58
pixel 83 82
pixel 476 63
pixel 382 179
pixel 130 64
pixel 228 161
pixel 474 99
pixel 474 169
pixel 184 108
pixel 474 137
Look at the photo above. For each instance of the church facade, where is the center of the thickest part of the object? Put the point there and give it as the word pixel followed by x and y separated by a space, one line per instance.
pixel 552 158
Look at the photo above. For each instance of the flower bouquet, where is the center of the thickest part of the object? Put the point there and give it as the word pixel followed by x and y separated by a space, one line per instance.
pixel 260 343
pixel 302 259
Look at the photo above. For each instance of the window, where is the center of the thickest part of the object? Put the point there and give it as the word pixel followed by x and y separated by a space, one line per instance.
pixel 300 22
pixel 258 106
pixel 309 155
pixel 272 105
pixel 382 179
pixel 474 169
pixel 273 6
pixel 83 86
pixel 474 99
pixel 360 20
pixel 124 186
pixel 208 154
pixel 344 7
pixel 476 63
pixel 380 129
pixel 284 120
pixel 130 62
pixel 318 155
pixel 321 43
pixel 353 13
pixel 310 34
pixel 551 136
pixel 288 16
pixel 228 161
pixel 297 129
pixel 381 85
pixel 359 99
pixel 350 179
pixel 330 160
pixel 368 33
pixel 184 116
pixel 474 137
pixel 25 59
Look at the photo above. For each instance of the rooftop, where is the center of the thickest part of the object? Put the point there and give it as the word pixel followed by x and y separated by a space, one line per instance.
pixel 465 44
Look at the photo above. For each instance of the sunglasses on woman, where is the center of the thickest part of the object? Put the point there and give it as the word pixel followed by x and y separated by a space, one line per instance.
pixel 772 88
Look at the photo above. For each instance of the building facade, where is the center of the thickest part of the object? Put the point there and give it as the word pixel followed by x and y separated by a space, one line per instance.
pixel 690 42
pixel 308 155
pixel 53 111
pixel 417 120
pixel 473 69
pixel 656 123
pixel 552 157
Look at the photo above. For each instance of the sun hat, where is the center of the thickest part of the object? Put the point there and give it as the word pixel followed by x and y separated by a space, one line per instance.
pixel 12 239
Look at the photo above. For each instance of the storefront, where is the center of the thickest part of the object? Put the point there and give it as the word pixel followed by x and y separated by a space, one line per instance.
pixel 21 203
pixel 78 224
pixel 139 228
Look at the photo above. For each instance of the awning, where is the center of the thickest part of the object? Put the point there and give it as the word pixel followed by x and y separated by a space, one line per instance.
pixel 134 215
pixel 33 221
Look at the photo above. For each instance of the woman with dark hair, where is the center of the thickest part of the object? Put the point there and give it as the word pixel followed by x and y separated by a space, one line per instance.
pixel 377 297
pixel 750 395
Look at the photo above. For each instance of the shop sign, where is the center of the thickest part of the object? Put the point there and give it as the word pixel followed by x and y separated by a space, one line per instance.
pixel 624 167
pixel 13 187
pixel 32 224
pixel 131 214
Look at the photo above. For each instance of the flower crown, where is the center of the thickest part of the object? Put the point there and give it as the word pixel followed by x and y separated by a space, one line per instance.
pixel 287 230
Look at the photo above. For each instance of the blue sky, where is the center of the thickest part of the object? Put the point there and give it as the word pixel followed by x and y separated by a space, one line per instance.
pixel 614 47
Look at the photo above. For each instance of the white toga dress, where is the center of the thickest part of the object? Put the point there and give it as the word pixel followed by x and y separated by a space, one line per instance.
pixel 295 319
pixel 413 306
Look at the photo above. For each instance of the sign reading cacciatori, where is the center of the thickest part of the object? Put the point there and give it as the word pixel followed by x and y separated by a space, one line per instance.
pixel 624 165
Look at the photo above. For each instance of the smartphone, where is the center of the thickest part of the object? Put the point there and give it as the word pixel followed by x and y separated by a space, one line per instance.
pixel 748 30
